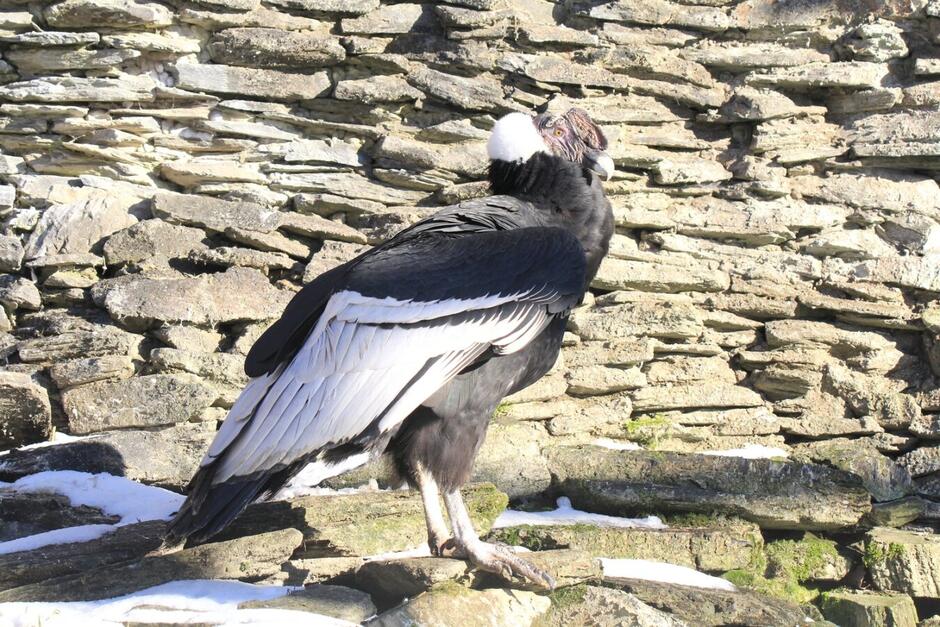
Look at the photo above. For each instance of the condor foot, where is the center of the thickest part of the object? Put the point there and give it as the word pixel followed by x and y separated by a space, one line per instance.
pixel 499 559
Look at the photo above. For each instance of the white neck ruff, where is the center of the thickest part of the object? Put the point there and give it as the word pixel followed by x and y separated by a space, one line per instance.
pixel 514 138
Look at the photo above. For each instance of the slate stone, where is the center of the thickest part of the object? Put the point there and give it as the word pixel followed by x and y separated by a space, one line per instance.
pixel 26 415
pixel 274 48
pixel 149 238
pixel 251 82
pixel 115 13
pixel 146 401
pixel 759 490
pixel 139 304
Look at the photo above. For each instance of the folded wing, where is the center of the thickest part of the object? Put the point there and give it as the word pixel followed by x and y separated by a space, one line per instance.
pixel 407 320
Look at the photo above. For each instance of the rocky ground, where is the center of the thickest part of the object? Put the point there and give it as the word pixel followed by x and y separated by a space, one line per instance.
pixel 171 173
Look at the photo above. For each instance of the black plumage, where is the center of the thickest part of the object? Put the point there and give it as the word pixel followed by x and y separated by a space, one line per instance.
pixel 459 310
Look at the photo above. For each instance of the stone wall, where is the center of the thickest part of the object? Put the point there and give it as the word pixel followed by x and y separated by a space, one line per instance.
pixel 173 172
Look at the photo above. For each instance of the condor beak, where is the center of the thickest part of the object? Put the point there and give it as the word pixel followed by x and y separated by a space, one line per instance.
pixel 600 163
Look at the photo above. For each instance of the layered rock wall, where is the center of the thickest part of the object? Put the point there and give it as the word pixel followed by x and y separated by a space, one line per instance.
pixel 173 172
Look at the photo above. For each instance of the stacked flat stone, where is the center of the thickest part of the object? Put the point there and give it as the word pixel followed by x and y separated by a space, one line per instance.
pixel 170 174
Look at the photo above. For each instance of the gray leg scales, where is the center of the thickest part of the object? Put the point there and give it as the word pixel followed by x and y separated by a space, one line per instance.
pixel 439 539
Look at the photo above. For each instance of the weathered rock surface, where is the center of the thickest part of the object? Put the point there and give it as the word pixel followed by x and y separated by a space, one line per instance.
pixel 147 401
pixel 116 13
pixel 360 524
pixel 26 514
pixel 122 452
pixel 716 548
pixel 78 227
pixel 203 301
pixel 272 48
pixel 336 601
pixel 904 561
pixel 451 604
pixel 606 607
pixel 260 83
pixel 242 558
pixel 150 238
pixel 771 281
pixel 701 606
pixel 859 608
pixel 599 479
pixel 124 543
pixel 24 410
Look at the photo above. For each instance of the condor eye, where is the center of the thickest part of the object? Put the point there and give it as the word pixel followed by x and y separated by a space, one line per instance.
pixel 558 132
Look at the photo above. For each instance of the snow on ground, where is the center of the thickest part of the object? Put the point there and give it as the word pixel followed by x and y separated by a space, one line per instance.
pixel 116 496
pixel 617 445
pixel 196 601
pixel 751 451
pixel 67 535
pixel 57 438
pixel 567 515
pixel 663 572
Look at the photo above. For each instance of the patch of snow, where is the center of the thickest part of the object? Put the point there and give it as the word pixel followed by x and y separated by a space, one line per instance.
pixel 315 473
pixel 57 438
pixel 80 533
pixel 565 514
pixel 617 445
pixel 117 496
pixel 196 601
pixel 751 451
pixel 663 572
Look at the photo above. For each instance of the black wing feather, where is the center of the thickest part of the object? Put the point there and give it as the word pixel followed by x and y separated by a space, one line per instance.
pixel 404 268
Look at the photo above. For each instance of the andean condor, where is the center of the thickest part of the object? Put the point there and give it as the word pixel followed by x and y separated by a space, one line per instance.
pixel 408 348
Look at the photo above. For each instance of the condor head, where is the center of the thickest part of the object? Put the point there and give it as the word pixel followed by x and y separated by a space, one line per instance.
pixel 572 136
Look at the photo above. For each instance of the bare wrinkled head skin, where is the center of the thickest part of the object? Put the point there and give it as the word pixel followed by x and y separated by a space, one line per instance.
pixel 571 135
pixel 574 136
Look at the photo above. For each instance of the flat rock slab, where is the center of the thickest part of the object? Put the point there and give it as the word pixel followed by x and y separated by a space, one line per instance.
pixel 242 558
pixel 114 13
pixel 851 607
pixel 273 48
pixel 705 607
pixel 569 567
pixel 773 494
pixel 77 227
pixel 147 401
pixel 25 413
pixel 27 513
pixel 139 303
pixel 718 548
pixel 393 580
pixel 57 560
pixel 122 452
pixel 452 604
pixel 251 82
pixel 57 89
pixel 363 524
pixel 904 561
pixel 603 607
pixel 339 602
pixel 213 214
pixel 146 239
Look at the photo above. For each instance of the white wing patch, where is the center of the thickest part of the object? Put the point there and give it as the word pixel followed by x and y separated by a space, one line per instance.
pixel 366 359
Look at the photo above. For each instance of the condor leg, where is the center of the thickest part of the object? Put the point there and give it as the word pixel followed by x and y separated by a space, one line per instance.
pixel 495 558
